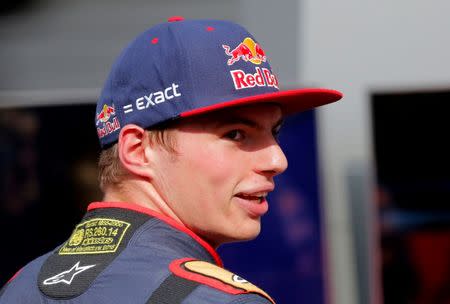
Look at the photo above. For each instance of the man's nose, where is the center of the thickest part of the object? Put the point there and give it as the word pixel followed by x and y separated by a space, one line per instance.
pixel 272 160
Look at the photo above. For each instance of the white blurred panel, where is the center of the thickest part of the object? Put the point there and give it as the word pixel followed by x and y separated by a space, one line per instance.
pixel 72 44
pixel 361 47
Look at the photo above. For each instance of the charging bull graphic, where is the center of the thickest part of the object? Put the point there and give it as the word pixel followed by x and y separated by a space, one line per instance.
pixel 247 50
pixel 105 114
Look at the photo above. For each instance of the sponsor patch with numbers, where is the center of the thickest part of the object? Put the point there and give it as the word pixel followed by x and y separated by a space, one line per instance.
pixel 99 235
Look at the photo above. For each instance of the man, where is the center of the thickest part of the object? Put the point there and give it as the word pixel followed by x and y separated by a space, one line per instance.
pixel 188 122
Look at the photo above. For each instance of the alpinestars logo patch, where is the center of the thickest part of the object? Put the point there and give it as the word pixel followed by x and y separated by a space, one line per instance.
pixel 67 276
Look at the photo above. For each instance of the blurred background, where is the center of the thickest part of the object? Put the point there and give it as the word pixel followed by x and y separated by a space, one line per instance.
pixel 362 215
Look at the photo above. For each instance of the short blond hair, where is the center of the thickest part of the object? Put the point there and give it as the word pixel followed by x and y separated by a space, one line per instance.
pixel 111 171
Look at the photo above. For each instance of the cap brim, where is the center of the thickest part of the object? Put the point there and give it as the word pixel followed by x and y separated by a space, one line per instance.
pixel 291 101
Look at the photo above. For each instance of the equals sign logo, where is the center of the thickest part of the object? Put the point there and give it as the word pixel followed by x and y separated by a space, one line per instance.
pixel 128 108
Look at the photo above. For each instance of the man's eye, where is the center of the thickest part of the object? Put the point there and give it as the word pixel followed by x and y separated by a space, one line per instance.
pixel 276 132
pixel 236 135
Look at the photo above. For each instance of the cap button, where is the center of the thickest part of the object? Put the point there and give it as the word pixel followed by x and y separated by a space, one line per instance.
pixel 175 18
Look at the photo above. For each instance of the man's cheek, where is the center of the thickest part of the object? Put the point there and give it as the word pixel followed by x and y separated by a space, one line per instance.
pixel 213 164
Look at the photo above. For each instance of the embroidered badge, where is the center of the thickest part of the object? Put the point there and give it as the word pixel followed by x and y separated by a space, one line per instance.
pixel 99 235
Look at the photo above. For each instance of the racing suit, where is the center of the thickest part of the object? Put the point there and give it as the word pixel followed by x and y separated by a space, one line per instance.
pixel 124 253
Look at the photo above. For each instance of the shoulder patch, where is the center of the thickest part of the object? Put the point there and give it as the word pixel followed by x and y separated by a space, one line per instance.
pixel 94 244
pixel 96 236
pixel 215 277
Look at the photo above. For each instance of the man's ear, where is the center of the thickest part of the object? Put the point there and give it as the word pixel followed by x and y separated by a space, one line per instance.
pixel 134 151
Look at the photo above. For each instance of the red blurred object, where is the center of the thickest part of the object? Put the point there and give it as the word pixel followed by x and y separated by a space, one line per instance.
pixel 430 257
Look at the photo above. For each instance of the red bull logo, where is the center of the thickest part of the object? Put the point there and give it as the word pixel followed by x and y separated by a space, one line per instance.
pixel 247 50
pixel 104 117
pixel 105 114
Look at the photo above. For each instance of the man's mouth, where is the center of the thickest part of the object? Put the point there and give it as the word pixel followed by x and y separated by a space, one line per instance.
pixel 254 203
pixel 253 197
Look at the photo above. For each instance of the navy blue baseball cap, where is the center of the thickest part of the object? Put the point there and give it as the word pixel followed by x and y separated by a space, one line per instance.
pixel 182 68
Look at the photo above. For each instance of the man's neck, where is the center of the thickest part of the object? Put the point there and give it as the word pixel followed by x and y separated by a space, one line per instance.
pixel 141 193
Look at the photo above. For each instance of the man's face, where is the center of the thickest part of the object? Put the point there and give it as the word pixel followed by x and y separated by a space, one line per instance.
pixel 218 179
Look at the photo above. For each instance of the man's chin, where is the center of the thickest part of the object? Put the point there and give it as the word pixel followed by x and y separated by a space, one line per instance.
pixel 247 234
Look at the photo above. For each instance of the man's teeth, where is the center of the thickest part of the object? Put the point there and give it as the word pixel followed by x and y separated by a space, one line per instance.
pixel 257 196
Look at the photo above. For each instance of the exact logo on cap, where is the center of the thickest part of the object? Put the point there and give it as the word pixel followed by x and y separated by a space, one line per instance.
pixel 250 51
pixel 104 125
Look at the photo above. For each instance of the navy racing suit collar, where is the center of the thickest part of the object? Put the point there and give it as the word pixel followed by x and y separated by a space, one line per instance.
pixel 169 221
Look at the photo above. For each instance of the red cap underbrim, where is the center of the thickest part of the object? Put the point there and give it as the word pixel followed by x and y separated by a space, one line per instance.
pixel 292 101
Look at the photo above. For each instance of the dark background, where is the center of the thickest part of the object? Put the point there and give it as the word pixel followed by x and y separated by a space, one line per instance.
pixel 411 132
pixel 48 177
